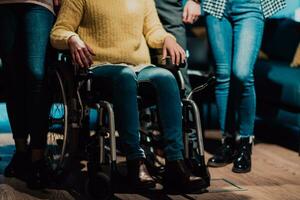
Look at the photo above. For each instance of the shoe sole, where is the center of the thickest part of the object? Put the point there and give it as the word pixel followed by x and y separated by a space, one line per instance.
pixel 145 187
pixel 240 171
pixel 218 165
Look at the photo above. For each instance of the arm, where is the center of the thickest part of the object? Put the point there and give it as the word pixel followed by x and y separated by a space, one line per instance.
pixel 67 23
pixel 157 37
pixel 56 2
pixel 64 36
pixel 153 31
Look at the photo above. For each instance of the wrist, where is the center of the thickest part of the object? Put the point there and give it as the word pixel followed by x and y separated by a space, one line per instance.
pixel 72 39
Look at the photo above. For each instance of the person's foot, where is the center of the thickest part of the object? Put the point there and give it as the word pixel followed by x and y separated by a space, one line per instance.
pixel 138 174
pixel 224 154
pixel 18 166
pixel 38 175
pixel 178 179
pixel 242 163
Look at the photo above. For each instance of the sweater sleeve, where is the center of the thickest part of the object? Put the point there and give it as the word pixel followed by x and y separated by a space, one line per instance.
pixel 153 31
pixel 67 23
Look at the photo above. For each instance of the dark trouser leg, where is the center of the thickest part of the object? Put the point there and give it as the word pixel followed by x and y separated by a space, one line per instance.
pixel 119 84
pixel 10 49
pixel 37 23
pixel 169 106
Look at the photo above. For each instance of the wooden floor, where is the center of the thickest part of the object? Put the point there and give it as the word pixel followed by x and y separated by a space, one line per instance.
pixel 275 176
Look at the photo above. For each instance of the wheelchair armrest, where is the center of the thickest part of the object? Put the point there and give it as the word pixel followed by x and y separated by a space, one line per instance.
pixel 166 63
pixel 64 56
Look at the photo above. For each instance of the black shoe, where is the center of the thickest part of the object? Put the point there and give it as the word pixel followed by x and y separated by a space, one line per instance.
pixel 178 179
pixel 224 154
pixel 18 166
pixel 38 177
pixel 138 174
pixel 242 163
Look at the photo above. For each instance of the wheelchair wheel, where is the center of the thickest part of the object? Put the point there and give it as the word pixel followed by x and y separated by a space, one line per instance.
pixel 58 123
pixel 99 187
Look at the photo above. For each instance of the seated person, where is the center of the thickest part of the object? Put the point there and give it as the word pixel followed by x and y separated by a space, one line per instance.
pixel 112 38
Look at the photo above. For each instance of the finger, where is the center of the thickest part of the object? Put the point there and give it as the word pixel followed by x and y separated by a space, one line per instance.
pixel 73 57
pixel 84 59
pixel 176 55
pixel 78 59
pixel 88 56
pixel 164 54
pixel 90 50
pixel 182 54
pixel 195 19
pixel 185 14
pixel 56 3
pixel 190 19
pixel 172 55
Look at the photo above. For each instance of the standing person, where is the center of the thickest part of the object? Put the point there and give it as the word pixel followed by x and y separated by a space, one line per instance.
pixel 24 37
pixel 173 15
pixel 235 29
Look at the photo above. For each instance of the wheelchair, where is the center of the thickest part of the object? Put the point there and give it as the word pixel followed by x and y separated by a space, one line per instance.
pixel 75 114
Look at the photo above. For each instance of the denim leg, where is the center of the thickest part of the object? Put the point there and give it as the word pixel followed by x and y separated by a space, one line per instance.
pixel 10 49
pixel 220 38
pixel 36 25
pixel 122 82
pixel 248 31
pixel 169 106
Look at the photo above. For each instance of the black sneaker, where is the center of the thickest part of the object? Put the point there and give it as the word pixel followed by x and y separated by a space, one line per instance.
pixel 38 177
pixel 224 155
pixel 18 166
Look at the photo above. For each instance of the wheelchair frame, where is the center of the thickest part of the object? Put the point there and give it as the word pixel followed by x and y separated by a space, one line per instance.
pixel 77 106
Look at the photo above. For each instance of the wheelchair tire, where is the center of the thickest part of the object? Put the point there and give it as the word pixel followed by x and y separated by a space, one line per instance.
pixel 99 187
pixel 56 151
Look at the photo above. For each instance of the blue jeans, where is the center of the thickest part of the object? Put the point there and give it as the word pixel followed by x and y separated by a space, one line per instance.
pixel 24 36
pixel 120 85
pixel 235 41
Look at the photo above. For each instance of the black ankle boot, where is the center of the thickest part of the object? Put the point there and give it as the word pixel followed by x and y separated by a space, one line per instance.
pixel 138 174
pixel 38 177
pixel 18 166
pixel 224 154
pixel 242 163
pixel 178 179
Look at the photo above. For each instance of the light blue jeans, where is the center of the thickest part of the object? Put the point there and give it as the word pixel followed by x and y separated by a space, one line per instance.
pixel 119 84
pixel 235 41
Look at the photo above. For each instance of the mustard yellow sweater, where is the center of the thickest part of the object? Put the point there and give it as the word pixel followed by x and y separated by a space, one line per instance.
pixel 119 31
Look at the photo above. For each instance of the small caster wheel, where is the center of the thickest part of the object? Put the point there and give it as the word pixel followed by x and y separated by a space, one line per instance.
pixel 99 187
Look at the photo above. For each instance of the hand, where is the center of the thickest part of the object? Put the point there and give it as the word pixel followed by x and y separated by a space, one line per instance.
pixel 175 51
pixel 191 12
pixel 80 51
pixel 56 2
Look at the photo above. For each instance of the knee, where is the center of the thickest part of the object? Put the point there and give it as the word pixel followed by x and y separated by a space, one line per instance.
pixel 125 79
pixel 223 73
pixel 125 75
pixel 244 77
pixel 36 67
pixel 163 79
